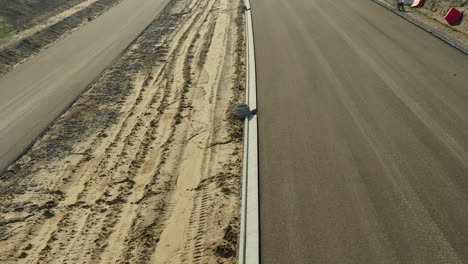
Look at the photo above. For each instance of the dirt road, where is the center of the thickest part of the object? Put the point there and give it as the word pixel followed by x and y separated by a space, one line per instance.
pixel 363 136
pixel 145 167
pixel 36 92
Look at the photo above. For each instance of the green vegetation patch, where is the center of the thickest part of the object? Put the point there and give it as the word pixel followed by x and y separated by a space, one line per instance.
pixel 6 30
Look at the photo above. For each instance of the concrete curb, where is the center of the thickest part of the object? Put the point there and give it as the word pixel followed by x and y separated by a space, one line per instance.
pixel 438 33
pixel 249 242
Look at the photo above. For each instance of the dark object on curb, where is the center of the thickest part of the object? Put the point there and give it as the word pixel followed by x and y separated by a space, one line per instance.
pixel 243 111
pixel 400 6
pixel 453 16
pixel 244 8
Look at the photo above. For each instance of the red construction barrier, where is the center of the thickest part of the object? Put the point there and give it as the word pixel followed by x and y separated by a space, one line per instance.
pixel 417 3
pixel 453 15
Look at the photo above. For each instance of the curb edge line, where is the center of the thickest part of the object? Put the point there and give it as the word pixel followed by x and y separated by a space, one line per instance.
pixel 249 243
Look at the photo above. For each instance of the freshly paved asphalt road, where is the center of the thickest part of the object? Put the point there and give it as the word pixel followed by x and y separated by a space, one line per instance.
pixel 363 136
pixel 35 93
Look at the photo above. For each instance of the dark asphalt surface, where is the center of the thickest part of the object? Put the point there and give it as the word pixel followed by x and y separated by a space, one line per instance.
pixel 363 136
pixel 33 94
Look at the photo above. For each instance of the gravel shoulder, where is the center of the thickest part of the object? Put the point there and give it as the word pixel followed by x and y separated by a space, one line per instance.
pixel 146 165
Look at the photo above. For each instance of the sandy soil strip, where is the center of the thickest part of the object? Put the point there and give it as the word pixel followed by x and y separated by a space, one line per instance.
pixel 145 167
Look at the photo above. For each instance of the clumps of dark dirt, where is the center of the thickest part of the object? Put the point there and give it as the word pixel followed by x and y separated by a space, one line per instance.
pixel 48 214
pixel 236 125
pixel 230 233
pixel 226 190
pixel 28 247
pixel 23 255
pixel 236 128
pixel 225 251
pixel 228 248
pixel 17 52
pixel 220 179
pixel 48 205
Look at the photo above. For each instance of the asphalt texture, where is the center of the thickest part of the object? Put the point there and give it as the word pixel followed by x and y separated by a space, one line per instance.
pixel 363 136
pixel 34 93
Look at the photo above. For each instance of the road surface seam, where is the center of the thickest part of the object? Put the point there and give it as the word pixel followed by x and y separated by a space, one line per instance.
pixel 249 244
pixel 439 34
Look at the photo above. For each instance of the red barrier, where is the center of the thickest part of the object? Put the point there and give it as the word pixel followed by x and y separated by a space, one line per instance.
pixel 453 15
